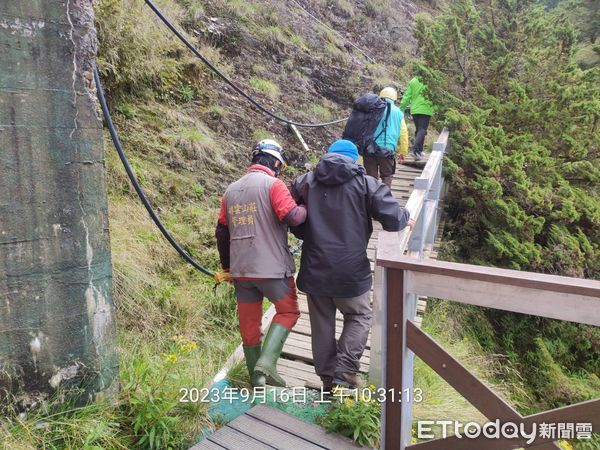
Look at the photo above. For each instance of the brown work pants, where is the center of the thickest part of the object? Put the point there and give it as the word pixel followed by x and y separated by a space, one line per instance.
pixel 380 166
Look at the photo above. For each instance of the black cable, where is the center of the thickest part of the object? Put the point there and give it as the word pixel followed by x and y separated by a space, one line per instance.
pixel 231 83
pixel 134 182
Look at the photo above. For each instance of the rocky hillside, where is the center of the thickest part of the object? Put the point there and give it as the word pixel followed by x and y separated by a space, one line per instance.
pixel 304 59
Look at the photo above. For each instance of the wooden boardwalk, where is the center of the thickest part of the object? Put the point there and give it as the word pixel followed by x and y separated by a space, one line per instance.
pixel 266 427
pixel 296 364
pixel 263 427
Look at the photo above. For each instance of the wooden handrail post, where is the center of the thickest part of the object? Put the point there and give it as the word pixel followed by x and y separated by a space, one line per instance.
pixel 417 237
pixel 376 374
pixel 400 306
pixel 433 196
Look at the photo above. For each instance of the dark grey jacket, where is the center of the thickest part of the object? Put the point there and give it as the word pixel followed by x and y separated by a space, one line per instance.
pixel 341 201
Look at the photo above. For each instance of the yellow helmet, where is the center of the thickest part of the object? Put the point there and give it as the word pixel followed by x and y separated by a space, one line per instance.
pixel 389 92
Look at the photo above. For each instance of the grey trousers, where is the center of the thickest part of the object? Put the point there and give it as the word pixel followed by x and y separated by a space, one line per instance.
pixel 343 356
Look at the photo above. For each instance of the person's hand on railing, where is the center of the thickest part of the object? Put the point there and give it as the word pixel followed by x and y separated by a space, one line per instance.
pixel 411 223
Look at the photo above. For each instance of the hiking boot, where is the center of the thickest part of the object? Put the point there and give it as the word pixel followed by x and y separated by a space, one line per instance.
pixel 251 353
pixel 265 370
pixel 326 385
pixel 347 380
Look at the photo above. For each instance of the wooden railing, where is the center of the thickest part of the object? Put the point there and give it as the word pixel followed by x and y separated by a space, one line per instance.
pixel 403 278
pixel 423 205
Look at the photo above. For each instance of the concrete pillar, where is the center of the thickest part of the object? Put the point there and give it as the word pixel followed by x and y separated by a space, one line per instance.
pixel 57 323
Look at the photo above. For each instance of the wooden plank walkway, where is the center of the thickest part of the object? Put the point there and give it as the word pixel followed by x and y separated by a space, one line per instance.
pixel 263 427
pixel 296 364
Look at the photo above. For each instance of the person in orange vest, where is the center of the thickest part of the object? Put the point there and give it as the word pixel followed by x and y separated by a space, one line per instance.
pixel 252 240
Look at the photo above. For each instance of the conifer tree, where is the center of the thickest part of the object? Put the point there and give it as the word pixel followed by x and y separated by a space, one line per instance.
pixel 523 169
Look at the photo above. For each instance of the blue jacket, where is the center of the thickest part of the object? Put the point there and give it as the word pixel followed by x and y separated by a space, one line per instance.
pixel 389 138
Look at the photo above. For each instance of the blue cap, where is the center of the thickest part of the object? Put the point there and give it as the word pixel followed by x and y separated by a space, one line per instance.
pixel 344 147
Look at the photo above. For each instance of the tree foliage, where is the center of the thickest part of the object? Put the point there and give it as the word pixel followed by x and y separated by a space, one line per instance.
pixel 524 167
pixel 585 15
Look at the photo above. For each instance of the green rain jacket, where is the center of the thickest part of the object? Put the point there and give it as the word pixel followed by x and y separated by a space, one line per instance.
pixel 414 99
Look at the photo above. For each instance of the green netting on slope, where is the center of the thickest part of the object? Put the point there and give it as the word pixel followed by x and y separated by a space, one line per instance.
pixel 227 404
pixel 308 410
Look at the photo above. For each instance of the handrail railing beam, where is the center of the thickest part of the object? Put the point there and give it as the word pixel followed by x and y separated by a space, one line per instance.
pixel 523 300
pixel 542 281
pixel 550 296
pixel 425 196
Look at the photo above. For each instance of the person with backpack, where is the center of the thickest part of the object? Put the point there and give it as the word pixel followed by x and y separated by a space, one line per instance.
pixel 335 272
pixel 421 110
pixel 377 127
pixel 252 240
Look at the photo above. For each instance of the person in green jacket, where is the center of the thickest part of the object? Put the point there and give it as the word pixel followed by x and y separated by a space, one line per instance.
pixel 421 110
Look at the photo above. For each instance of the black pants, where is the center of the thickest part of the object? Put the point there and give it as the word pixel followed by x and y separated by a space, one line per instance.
pixel 421 124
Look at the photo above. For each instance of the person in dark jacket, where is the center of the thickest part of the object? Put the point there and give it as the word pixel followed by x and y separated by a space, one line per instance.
pixel 335 271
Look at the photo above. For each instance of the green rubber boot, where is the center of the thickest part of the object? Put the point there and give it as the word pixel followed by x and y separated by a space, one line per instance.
pixel 265 371
pixel 251 353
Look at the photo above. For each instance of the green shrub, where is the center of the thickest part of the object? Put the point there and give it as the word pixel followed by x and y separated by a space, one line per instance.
pixel 187 93
pixel 126 109
pixel 151 397
pixel 259 134
pixel 135 56
pixel 268 88
pixel 357 417
pixel 198 190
